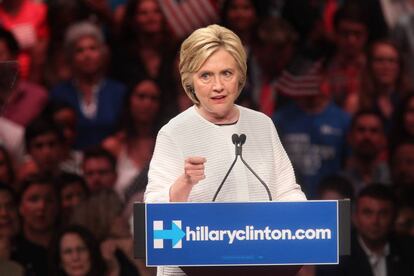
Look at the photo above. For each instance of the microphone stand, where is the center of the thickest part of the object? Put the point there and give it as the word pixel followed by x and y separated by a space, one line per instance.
pixel 238 141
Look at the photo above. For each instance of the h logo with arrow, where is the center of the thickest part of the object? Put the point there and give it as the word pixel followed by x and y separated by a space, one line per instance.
pixel 175 234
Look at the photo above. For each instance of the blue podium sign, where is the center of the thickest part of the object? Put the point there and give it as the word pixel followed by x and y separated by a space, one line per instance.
pixel 251 233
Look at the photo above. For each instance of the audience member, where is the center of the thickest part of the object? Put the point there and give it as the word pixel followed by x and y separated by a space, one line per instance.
pixel 38 209
pixel 404 222
pixel 134 143
pixel 26 19
pixel 99 169
pixel 313 20
pixel 334 187
pixel 402 127
pixel 376 16
pixel 75 251
pixel 72 190
pixel 27 99
pixel 367 141
pixel 375 249
pixel 61 15
pixel 242 17
pixel 384 82
pixel 44 144
pixel 9 228
pixel 9 220
pixel 64 116
pixel 313 132
pixel 402 168
pixel 146 48
pixel 274 50
pixel 348 60
pixel 96 99
pixel 102 215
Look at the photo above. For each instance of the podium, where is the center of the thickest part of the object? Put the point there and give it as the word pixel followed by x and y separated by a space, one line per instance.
pixel 264 238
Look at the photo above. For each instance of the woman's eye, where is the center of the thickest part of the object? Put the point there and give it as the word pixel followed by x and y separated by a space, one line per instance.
pixel 205 76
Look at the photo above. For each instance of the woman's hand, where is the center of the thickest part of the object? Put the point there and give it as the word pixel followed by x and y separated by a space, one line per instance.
pixel 193 173
pixel 194 169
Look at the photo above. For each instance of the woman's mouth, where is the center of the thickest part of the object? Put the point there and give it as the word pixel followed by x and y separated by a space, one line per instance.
pixel 218 99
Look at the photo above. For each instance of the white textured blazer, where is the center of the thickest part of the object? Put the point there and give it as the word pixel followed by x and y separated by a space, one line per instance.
pixel 189 134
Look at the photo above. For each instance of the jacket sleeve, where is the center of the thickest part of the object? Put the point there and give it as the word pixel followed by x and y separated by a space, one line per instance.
pixel 167 164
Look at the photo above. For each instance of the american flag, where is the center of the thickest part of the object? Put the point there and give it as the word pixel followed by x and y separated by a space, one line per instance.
pixel 302 79
pixel 184 16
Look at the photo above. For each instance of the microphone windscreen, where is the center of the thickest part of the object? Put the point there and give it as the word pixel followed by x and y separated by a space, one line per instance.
pixel 242 138
pixel 235 138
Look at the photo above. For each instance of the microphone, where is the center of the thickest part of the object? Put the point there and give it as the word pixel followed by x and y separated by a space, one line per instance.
pixel 242 140
pixel 235 138
pixel 238 142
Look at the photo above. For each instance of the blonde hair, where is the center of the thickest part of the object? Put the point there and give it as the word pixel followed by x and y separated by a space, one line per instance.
pixel 203 43
pixel 97 214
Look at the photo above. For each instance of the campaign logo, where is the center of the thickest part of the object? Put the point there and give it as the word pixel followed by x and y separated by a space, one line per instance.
pixel 175 234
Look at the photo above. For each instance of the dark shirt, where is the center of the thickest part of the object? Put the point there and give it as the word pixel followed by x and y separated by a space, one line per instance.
pixel 399 260
pixel 33 257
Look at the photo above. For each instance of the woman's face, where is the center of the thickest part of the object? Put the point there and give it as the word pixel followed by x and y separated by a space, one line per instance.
pixel 385 64
pixel 241 15
pixel 145 102
pixel 149 17
pixel 74 254
pixel 216 86
pixel 409 117
pixel 88 55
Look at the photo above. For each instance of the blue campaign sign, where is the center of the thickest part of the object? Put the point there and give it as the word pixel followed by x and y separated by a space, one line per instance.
pixel 251 233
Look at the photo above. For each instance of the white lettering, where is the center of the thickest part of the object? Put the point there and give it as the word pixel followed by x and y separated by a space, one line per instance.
pixel 276 234
pixel 214 235
pixel 203 233
pixel 240 234
pixel 300 234
pixel 232 235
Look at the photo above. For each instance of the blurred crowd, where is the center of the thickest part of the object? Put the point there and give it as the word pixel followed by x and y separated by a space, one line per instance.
pixel 96 79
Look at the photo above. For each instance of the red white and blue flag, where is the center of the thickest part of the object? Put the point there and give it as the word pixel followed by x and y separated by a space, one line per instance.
pixel 303 82
pixel 184 16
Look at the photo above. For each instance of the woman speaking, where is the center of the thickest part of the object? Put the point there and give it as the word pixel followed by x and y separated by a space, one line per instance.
pixel 194 151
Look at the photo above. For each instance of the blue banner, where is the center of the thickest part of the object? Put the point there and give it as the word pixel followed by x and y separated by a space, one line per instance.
pixel 253 233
